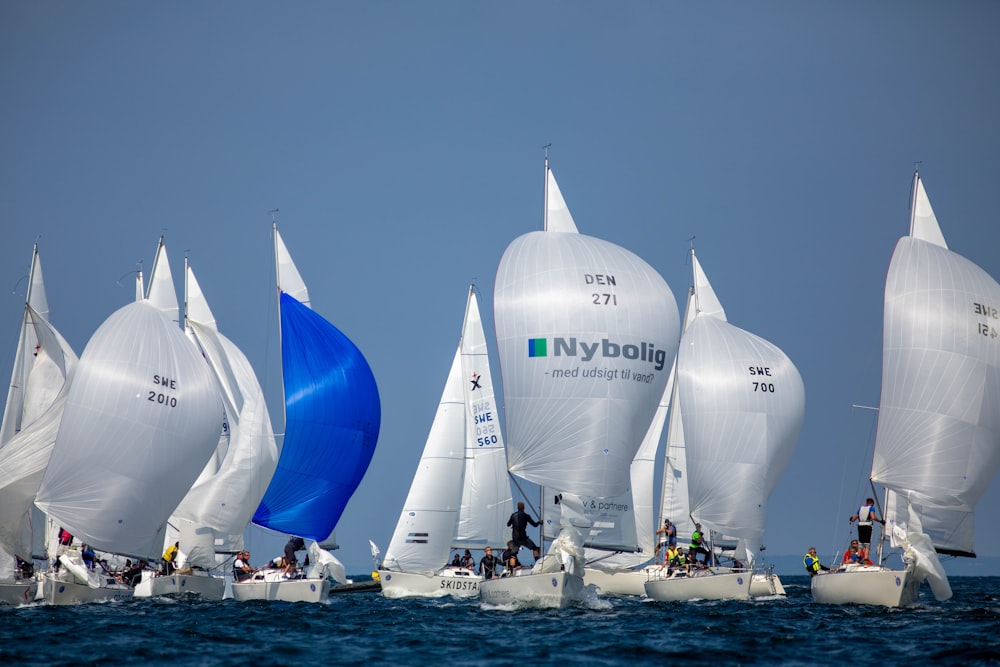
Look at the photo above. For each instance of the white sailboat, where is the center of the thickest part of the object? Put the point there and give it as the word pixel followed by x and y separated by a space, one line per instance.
pixel 210 520
pixel 332 418
pixel 142 390
pixel 43 366
pixel 620 544
pixel 460 495
pixel 585 331
pixel 936 452
pixel 742 403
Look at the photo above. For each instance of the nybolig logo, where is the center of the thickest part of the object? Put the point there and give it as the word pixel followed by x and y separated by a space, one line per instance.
pixel 567 347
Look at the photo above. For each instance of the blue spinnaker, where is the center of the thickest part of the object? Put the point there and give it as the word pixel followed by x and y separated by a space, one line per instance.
pixel 332 417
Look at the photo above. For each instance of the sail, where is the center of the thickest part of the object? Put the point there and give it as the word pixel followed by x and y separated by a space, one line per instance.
pixel 486 498
pixel 24 457
pixel 225 496
pixel 624 524
pixel 332 417
pixel 557 215
pixel 743 403
pixel 161 292
pixel 140 421
pixel 23 407
pixel 585 332
pixel 938 439
pixel 460 495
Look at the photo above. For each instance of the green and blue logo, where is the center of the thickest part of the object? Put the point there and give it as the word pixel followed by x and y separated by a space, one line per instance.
pixel 537 347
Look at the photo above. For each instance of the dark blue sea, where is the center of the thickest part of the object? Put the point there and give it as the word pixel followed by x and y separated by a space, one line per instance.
pixel 367 629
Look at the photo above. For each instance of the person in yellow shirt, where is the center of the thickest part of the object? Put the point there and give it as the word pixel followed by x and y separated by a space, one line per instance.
pixel 170 558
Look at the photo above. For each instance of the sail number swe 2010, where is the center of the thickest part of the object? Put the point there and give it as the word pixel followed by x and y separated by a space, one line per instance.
pixel 761 385
pixel 158 396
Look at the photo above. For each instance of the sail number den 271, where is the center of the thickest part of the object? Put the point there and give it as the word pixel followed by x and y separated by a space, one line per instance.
pixel 154 396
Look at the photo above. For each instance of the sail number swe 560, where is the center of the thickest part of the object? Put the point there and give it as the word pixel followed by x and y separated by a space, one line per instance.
pixel 154 396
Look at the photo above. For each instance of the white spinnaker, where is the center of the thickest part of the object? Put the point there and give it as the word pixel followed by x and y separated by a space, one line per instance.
pixel 141 420
pixel 938 439
pixel 586 331
pixel 743 403
pixel 228 491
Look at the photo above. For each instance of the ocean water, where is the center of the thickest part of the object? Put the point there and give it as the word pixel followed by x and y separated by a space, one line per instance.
pixel 367 629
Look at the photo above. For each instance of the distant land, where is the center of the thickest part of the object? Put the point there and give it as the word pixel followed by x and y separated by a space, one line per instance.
pixel 983 566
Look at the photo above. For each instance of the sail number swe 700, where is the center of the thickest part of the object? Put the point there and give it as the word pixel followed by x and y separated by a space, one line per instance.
pixel 154 396
pixel 763 386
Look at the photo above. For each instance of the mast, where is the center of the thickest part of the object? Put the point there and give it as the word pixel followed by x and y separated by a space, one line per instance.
pixel 277 281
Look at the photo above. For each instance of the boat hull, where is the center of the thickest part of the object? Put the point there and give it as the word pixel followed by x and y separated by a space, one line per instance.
pixel 58 591
pixel 196 584
pixel 275 586
pixel 18 592
pixel 763 584
pixel 456 583
pixel 622 582
pixel 704 585
pixel 551 590
pixel 865 585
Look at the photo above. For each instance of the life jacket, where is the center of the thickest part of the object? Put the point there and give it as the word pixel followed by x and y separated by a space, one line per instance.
pixel 64 537
pixel 697 539
pixel 865 515
pixel 811 563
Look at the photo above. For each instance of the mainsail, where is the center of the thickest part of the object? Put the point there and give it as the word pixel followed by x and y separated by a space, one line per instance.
pixel 938 440
pixel 460 495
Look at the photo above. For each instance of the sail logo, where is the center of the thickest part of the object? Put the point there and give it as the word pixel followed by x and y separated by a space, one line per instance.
pixel 571 347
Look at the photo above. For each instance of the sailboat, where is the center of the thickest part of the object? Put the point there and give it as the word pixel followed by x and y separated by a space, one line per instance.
pixel 141 419
pixel 460 495
pixel 332 417
pixel 936 451
pixel 620 543
pixel 210 520
pixel 43 366
pixel 585 332
pixel 741 406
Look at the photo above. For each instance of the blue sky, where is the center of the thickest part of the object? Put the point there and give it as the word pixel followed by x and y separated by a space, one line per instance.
pixel 402 141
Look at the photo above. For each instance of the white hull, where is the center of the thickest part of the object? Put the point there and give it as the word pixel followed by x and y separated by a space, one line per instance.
pixel 763 584
pixel 58 591
pixel 552 590
pixel 457 583
pixel 623 582
pixel 274 586
pixel 701 585
pixel 20 592
pixel 196 584
pixel 865 585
